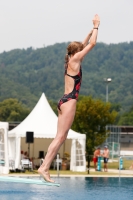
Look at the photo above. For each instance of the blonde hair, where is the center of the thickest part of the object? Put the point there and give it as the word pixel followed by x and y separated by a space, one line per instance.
pixel 73 48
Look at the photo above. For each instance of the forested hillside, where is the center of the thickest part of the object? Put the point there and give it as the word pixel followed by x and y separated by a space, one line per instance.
pixel 25 74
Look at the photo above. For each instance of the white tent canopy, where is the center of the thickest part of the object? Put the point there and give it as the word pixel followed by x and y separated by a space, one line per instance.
pixel 4 164
pixel 43 122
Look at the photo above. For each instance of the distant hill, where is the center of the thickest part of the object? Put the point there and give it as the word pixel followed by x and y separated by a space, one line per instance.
pixel 25 74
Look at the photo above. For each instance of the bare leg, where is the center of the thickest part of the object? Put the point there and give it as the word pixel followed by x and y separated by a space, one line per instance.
pixel 65 120
pixel 131 166
pixel 95 166
pixel 105 167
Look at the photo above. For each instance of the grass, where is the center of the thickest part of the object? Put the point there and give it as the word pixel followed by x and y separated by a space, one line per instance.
pixel 115 165
pixel 111 165
pixel 54 172
pixel 71 173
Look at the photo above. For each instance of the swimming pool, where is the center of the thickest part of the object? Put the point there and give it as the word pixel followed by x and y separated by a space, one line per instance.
pixel 92 188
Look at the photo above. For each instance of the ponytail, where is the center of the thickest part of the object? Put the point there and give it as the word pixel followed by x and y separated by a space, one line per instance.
pixel 66 60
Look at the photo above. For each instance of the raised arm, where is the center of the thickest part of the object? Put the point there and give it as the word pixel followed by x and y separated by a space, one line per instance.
pixel 86 40
pixel 93 39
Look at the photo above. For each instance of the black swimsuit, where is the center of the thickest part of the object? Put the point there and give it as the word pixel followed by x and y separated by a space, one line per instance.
pixel 74 94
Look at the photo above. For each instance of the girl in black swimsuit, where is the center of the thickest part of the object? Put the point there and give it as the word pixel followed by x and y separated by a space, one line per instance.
pixel 75 92
pixel 76 51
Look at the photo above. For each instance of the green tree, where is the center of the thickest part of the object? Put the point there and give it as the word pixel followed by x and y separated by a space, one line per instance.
pixel 126 118
pixel 12 110
pixel 26 73
pixel 117 107
pixel 91 118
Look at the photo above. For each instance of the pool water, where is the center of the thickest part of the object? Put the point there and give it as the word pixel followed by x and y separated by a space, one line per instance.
pixel 92 188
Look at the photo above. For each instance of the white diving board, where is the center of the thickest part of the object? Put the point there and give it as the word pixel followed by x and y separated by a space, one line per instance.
pixel 27 181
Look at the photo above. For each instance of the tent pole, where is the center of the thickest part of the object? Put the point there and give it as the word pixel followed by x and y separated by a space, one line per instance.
pixel 29 150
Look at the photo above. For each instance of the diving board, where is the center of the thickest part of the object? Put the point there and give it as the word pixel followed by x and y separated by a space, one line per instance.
pixel 27 181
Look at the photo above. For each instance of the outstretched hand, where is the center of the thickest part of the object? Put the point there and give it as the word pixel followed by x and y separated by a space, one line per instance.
pixel 96 21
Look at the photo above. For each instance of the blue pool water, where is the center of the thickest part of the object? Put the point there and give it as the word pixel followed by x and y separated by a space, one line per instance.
pixel 91 188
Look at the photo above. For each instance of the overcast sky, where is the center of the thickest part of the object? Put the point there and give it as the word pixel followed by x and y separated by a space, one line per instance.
pixel 26 23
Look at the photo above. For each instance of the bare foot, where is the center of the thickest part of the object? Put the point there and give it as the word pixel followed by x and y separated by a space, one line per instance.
pixel 45 175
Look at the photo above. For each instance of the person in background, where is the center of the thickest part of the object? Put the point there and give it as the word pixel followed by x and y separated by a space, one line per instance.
pixel 26 155
pixel 131 167
pixel 105 158
pixel 22 155
pixel 97 153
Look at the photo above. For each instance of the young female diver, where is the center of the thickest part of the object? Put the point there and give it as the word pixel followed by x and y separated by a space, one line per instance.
pixel 76 51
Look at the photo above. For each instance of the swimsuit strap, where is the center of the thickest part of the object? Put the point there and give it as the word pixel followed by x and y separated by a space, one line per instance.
pixel 71 76
pixel 74 77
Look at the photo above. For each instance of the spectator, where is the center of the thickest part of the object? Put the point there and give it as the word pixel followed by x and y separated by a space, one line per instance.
pixel 131 167
pixel 22 155
pixel 106 158
pixel 97 153
pixel 26 155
